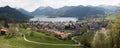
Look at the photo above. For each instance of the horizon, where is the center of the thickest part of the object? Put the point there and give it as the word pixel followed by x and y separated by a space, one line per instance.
pixel 26 4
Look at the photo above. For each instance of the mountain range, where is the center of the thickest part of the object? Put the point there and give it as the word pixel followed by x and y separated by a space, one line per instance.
pixel 12 13
pixel 72 11
pixel 109 8
pixel 66 11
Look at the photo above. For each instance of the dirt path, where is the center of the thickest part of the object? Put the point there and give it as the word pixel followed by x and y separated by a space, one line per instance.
pixel 73 38
pixel 24 37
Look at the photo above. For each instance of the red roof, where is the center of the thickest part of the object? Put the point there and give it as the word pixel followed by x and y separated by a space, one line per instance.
pixel 3 29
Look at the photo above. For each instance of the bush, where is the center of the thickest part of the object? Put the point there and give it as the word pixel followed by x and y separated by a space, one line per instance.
pixel 12 32
pixel 102 40
pixel 86 38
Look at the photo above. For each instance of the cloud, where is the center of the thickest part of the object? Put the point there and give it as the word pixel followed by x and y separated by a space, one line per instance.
pixel 31 5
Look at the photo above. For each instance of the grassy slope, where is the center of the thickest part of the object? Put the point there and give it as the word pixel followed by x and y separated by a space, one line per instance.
pixel 42 37
pixel 39 37
pixel 18 42
pixel 111 17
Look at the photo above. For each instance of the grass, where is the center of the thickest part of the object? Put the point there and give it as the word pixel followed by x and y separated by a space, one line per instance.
pixel 46 40
pixel 18 42
pixel 40 37
pixel 111 17
pixel 45 37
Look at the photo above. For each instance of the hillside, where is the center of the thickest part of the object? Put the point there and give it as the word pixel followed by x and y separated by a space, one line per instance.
pixel 82 11
pixel 24 11
pixel 19 41
pixel 12 13
pixel 46 11
pixel 109 8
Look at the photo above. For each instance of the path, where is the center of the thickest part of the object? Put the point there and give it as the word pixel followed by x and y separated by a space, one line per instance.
pixel 81 45
pixel 73 38
pixel 24 37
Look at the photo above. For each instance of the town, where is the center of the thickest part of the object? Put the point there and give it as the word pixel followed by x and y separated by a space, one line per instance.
pixel 59 24
pixel 64 29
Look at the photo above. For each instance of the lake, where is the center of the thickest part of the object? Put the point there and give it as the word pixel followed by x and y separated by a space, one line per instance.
pixel 56 19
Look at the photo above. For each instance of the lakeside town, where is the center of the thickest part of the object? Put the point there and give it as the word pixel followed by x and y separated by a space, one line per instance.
pixel 61 30
pixel 73 28
pixel 59 24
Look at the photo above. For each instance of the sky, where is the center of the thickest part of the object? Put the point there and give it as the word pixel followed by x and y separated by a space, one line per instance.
pixel 31 5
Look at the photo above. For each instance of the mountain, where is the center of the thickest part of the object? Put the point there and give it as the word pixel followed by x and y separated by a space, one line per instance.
pixel 82 11
pixel 46 11
pixel 109 8
pixel 62 11
pixel 12 13
pixel 49 11
pixel 24 11
pixel 69 11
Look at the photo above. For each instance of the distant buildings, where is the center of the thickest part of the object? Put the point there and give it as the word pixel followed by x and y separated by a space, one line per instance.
pixel 76 28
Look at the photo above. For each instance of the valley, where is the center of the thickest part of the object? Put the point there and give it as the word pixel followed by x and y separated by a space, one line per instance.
pixel 59 24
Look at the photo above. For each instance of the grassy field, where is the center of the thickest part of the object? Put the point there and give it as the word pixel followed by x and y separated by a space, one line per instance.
pixel 111 17
pixel 45 37
pixel 18 42
pixel 39 37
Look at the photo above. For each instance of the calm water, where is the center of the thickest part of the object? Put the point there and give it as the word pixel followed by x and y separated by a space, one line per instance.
pixel 58 19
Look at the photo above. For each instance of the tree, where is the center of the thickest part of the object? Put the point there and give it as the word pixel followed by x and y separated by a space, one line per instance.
pixel 86 38
pixel 105 39
pixel 6 24
pixel 116 29
pixel 115 32
pixel 101 40
pixel 98 40
pixel 5 20
pixel 13 32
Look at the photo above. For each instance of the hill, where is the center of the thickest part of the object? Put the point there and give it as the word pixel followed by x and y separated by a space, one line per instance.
pixel 46 11
pixel 12 13
pixel 108 8
pixel 18 42
pixel 82 11
pixel 24 11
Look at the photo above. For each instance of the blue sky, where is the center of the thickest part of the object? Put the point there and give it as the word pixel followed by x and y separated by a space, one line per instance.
pixel 31 5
